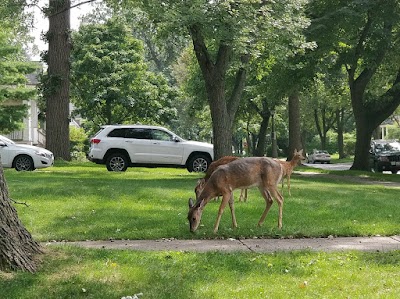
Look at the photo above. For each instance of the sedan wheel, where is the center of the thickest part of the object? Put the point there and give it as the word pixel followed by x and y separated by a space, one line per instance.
pixel 23 163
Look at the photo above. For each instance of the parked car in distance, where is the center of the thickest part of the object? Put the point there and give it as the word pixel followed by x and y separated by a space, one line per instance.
pixel 385 155
pixel 321 156
pixel 22 156
pixel 121 146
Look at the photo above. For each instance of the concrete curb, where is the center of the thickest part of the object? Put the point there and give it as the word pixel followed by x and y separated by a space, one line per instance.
pixel 249 245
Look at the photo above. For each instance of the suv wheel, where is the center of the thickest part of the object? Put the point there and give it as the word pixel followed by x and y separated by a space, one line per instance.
pixel 117 162
pixel 23 163
pixel 198 163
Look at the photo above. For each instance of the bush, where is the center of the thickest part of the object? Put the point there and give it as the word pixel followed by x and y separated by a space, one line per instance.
pixel 393 132
pixel 78 143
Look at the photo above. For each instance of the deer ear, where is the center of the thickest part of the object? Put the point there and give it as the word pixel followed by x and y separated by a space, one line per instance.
pixel 191 204
pixel 202 204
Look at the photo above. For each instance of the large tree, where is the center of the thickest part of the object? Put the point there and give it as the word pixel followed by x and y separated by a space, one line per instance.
pixel 18 251
pixel 364 35
pixel 110 79
pixel 224 35
pixel 55 84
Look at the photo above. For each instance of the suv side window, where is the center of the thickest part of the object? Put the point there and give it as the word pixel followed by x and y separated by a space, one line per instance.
pixel 117 133
pixel 161 135
pixel 138 133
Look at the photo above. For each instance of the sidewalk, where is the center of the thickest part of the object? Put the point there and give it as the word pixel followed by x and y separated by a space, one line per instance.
pixel 250 245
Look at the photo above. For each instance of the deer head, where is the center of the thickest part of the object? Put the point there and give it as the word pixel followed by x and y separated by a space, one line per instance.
pixel 194 215
pixel 298 155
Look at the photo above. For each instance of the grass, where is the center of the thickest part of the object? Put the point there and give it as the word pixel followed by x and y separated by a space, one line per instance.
pixel 80 273
pixel 83 201
pixel 71 202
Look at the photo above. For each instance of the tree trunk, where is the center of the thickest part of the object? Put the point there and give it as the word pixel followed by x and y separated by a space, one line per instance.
pixel 223 108
pixel 294 124
pixel 262 136
pixel 57 100
pixel 340 130
pixel 18 251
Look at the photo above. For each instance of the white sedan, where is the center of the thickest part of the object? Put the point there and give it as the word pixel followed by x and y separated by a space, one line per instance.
pixel 319 156
pixel 22 156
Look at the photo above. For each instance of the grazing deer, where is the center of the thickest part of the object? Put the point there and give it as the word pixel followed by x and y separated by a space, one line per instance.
pixel 213 166
pixel 288 166
pixel 265 173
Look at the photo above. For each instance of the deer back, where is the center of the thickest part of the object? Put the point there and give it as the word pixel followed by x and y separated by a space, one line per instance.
pixel 244 173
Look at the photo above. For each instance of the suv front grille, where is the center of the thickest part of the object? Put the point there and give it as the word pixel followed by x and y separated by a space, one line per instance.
pixel 394 158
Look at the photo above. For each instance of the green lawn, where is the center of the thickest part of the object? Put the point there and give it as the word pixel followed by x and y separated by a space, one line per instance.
pixel 87 202
pixel 84 201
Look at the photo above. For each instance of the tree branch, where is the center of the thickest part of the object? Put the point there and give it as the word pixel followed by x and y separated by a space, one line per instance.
pixel 69 8
pixel 18 203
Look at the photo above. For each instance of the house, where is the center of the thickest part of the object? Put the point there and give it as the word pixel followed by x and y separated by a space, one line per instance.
pixel 31 133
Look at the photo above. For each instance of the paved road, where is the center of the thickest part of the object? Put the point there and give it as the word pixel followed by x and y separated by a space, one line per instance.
pixel 336 166
pixel 247 245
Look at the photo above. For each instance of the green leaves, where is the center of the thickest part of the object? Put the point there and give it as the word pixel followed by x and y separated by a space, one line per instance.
pixel 13 84
pixel 111 82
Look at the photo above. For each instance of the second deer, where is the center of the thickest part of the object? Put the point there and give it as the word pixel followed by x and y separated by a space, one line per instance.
pixel 265 173
pixel 288 166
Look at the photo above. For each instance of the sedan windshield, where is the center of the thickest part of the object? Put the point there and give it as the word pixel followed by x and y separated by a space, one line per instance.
pixel 6 140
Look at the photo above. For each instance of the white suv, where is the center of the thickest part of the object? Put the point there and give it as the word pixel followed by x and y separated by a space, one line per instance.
pixel 120 146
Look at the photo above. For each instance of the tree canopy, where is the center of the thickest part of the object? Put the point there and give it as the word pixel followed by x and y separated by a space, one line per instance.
pixel 225 35
pixel 363 37
pixel 14 91
pixel 111 82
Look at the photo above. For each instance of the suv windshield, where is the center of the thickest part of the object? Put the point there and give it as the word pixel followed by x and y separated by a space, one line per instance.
pixel 390 146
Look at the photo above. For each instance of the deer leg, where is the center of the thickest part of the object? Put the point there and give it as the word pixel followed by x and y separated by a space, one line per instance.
pixel 225 199
pixel 232 207
pixel 268 203
pixel 288 184
pixel 279 199
pixel 243 195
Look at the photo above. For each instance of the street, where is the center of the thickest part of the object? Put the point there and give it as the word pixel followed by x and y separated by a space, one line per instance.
pixel 336 166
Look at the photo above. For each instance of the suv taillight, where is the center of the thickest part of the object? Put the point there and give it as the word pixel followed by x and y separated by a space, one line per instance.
pixel 95 140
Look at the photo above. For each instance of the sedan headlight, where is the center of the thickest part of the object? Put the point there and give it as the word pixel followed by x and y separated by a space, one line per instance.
pixel 42 154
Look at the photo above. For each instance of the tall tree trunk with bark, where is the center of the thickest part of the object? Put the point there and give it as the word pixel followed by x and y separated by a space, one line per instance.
pixel 294 124
pixel 57 97
pixel 223 108
pixel 18 250
pixel 265 114
pixel 262 137
pixel 340 129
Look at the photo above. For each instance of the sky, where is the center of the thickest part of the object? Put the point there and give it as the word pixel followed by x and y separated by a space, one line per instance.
pixel 41 24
